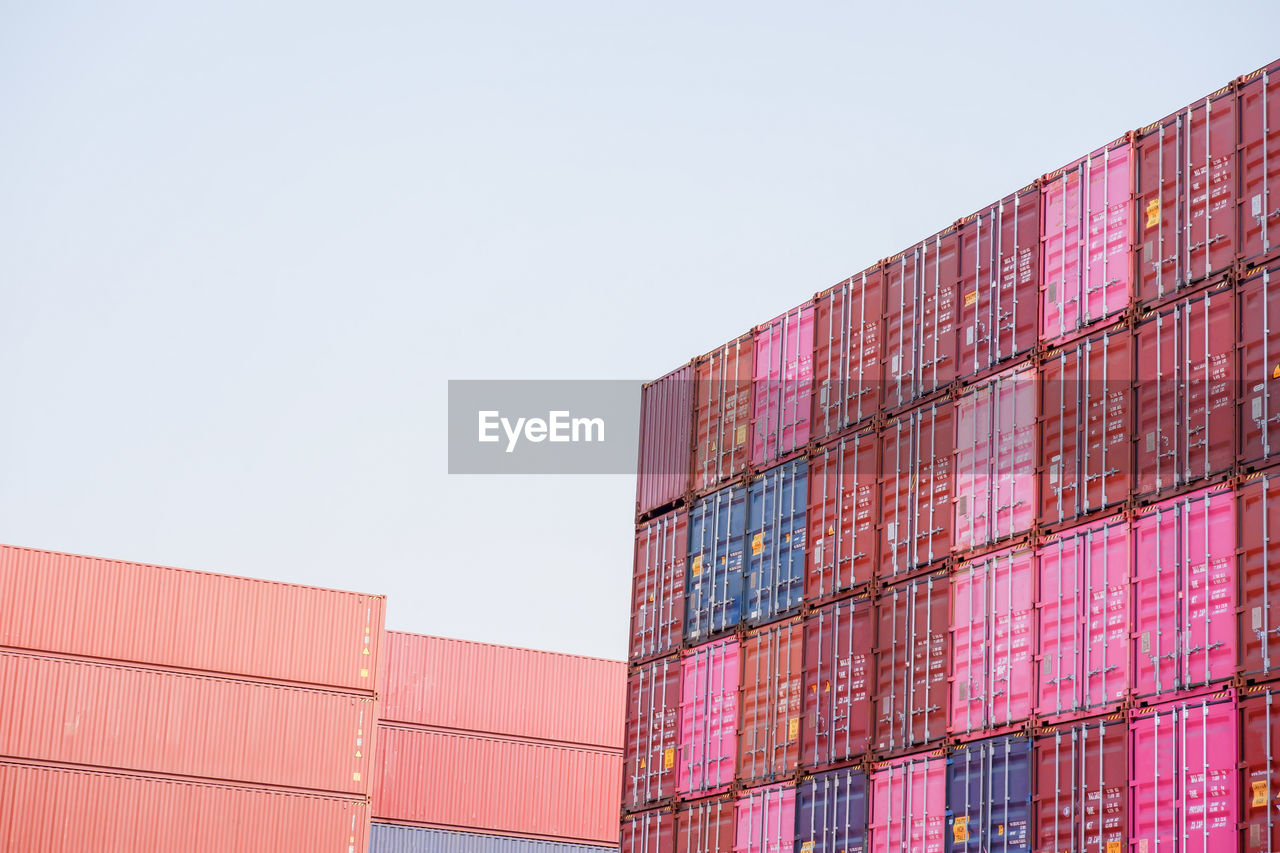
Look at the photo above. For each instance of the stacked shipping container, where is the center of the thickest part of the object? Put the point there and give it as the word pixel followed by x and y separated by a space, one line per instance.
pixel 1006 582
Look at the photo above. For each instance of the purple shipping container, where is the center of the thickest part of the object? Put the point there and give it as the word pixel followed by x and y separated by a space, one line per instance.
pixel 709 718
pixel 783 380
pixel 831 812
pixel 666 440
pixel 989 796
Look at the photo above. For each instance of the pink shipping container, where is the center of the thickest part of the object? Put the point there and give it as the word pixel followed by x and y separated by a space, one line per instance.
pixel 919 354
pixel 995 483
pixel 1183 776
pixel 179 619
pixel 649 748
pixel 1260 781
pixel 1084 622
pixel 657 591
pixel 848 332
pixel 1082 786
pixel 61 810
pixel 649 832
pixel 844 510
pixel 722 413
pixel 1086 234
pixel 708 718
pixel 992 642
pixel 1184 593
pixel 462 781
pixel 913 660
pixel 666 440
pixel 783 385
pixel 1258 337
pixel 1259 107
pixel 838 680
pixel 707 826
pixel 766 820
pixel 909 804
pixel 422 674
pixel 916 488
pixel 1258 512
pixel 156 722
pixel 769 737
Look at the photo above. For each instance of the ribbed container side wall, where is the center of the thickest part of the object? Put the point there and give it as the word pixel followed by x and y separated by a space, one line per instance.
pixel 913 662
pixel 1084 619
pixel 1184 593
pixel 722 413
pixel 389 838
pixel 997 313
pixel 992 641
pixel 766 820
pixel 916 490
pixel 59 810
pixel 709 718
pixel 1259 732
pixel 769 735
pixel 501 786
pixel 1258 509
pixel 1087 241
pixel 1185 394
pixel 1183 776
pixel 657 591
pixel 175 618
pixel 773 583
pixel 1186 196
pixel 1082 786
pixel 717 533
pixel 422 674
pixel 708 826
pixel 1259 108
pixel 920 352
pixel 1258 416
pixel 831 812
pixel 848 332
pixel 909 804
pixel 152 721
pixel 666 440
pixel 782 380
pixel 843 514
pixel 989 796
pixel 838 682
pixel 652 735
pixel 647 832
pixel 1086 405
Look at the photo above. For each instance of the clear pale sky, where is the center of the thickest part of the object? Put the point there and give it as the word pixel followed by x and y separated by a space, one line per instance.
pixel 243 247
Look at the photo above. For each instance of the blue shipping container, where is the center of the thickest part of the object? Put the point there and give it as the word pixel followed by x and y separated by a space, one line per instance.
pixel 388 838
pixel 776 514
pixel 989 796
pixel 831 812
pixel 717 531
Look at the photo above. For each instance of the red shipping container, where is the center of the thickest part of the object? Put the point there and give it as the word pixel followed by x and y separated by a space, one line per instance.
pixel 666 440
pixel 909 804
pixel 766 819
pixel 649 832
pixel 1084 621
pixel 1259 108
pixel 1258 301
pixel 769 738
pixel 1184 593
pixel 1183 777
pixel 1082 786
pixel 992 642
pixel 422 674
pixel 1086 401
pixel 1186 196
pixel 178 619
pixel 916 487
pixel 844 509
pixel 657 591
pixel 1258 509
pixel 707 826
pixel 1260 780
pixel 838 643
pixel 1185 397
pixel 60 810
pixel 722 413
pixel 782 382
pixel 462 781
pixel 847 336
pixel 169 723
pixel 998 311
pixel 709 717
pixel 919 355
pixel 913 660
pixel 649 750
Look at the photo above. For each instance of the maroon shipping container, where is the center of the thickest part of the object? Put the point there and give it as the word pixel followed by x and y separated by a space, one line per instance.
pixel 657 586
pixel 666 440
pixel 1258 518
pixel 706 826
pixel 1258 309
pixel 1186 196
pixel 769 737
pixel 844 511
pixel 1259 108
pixel 722 413
pixel 998 310
pixel 651 741
pixel 1082 786
pixel 839 641
pixel 649 832
pixel 846 362
pixel 1185 395
pixel 913 661
pixel 919 354
pixel 1260 761
pixel 1086 405
pixel 916 487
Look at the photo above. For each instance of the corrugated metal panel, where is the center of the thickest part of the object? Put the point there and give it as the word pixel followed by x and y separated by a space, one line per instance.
pixel 151 721
pixel 176 618
pixel 666 440
pixel 649 832
pixel 773 582
pixel 1258 339
pixel 1259 94
pixel 831 812
pixel 717 534
pixel 838 680
pixel 722 413
pixel 769 733
pixel 846 361
pixel 782 385
pixel 462 781
pixel 920 319
pixel 1258 511
pixel 389 838
pixel 766 819
pixel 1259 734
pixel 653 717
pixel 657 590
pixel 989 796
pixel 709 717
pixel 916 486
pixel 844 510
pixel 1082 786
pixel 707 826
pixel 913 661
pixel 560 697
pixel 58 810
pixel 909 804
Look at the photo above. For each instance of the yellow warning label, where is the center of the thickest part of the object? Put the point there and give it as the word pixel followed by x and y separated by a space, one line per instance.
pixel 355 777
pixel 793 728
pixel 1114 847
pixel 971 298
pixel 668 758
pixel 1153 213
pixel 1260 793
pixel 696 568
pixel 806 847
pixel 740 437
pixel 364 652
pixel 757 544
pixel 364 673
pixel 961 830
pixel 831 530
pixel 1275 374
pixel 643 764
pixel 1000 829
